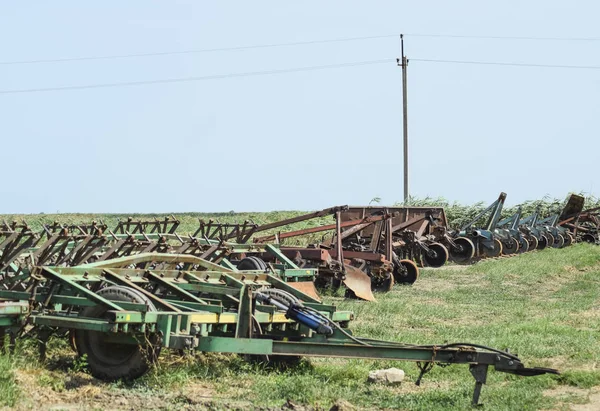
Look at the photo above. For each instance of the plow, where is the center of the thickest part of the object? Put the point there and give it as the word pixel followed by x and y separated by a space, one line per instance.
pixel 482 233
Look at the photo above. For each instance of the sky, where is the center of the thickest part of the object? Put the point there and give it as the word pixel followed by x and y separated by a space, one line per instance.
pixel 298 140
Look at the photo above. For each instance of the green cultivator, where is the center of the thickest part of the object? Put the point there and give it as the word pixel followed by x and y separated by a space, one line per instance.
pixel 123 296
pixel 121 312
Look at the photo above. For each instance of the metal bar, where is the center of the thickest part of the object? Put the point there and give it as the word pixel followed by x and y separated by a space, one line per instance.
pixel 123 281
pixel 304 217
pixel 318 229
pixel 174 288
pixel 90 295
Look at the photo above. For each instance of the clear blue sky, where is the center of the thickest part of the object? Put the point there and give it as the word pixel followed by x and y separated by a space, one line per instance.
pixel 303 140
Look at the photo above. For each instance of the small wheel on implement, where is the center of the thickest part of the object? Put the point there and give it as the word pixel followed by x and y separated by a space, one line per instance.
pixel 523 245
pixel 109 360
pixel 588 238
pixel 406 272
pixel 383 283
pixel 568 239
pixel 493 252
pixel 437 257
pixel 551 239
pixel 559 241
pixel 533 243
pixel 542 242
pixel 464 252
pixel 252 263
pixel 510 246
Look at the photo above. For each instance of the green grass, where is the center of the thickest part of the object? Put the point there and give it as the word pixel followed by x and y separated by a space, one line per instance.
pixel 9 391
pixel 541 305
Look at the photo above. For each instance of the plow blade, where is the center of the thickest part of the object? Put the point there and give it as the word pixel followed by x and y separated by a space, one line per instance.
pixel 359 283
pixel 306 287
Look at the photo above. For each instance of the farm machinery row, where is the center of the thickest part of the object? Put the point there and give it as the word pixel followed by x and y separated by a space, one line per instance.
pixel 365 249
pixel 371 248
pixel 121 296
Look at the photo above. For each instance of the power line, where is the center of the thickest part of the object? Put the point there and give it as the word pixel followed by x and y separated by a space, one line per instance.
pixel 289 44
pixel 283 71
pixel 500 63
pixel 200 78
pixel 460 36
pixel 193 51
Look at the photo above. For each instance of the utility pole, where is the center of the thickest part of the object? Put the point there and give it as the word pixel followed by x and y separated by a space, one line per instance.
pixel 404 64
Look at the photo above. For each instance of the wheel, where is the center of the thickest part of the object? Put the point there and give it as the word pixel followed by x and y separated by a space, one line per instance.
pixel 406 272
pixel 542 242
pixel 437 257
pixel 523 245
pixel 510 246
pixel 588 238
pixel 568 239
pixel 495 252
pixel 382 284
pixel 252 263
pixel 464 252
pixel 559 241
pixel 533 243
pixel 109 360
pixel 551 239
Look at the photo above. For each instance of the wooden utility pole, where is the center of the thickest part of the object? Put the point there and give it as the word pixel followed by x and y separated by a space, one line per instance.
pixel 404 64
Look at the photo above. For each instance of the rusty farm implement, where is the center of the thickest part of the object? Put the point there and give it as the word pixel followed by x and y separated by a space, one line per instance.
pixel 585 226
pixel 368 248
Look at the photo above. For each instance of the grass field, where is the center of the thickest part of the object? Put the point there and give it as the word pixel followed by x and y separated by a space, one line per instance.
pixel 544 305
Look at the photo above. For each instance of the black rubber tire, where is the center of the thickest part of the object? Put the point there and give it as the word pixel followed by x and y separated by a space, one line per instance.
pixel 551 240
pixel 542 242
pixel 495 252
pixel 588 238
pixel 382 285
pixel 533 243
pixel 440 258
pixel 112 361
pixel 523 245
pixel 466 254
pixel 559 241
pixel 252 263
pixel 407 273
pixel 568 239
pixel 510 246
